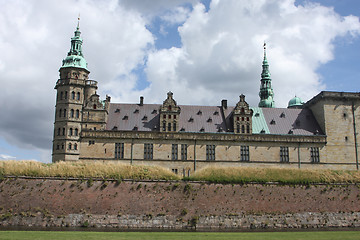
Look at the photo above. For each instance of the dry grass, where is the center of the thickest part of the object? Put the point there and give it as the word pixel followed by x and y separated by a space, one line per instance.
pixel 262 175
pixel 82 170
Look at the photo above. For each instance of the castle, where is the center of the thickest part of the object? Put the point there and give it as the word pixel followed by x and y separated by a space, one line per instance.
pixel 321 133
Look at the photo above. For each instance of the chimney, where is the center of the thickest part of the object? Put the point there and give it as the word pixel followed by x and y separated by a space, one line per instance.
pixel 141 100
pixel 224 103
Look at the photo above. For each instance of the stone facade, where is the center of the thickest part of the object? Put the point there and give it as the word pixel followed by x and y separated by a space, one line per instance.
pixel 322 133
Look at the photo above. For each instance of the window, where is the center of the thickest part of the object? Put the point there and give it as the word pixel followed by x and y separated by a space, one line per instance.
pixel 78 96
pixel 72 113
pixel 119 150
pixel 238 128
pixel 284 154
pixel 247 129
pixel 314 155
pixel 66 94
pixel 210 152
pixel 91 142
pixel 76 132
pixel 72 95
pixel 63 132
pixel 183 151
pixel 164 125
pixel 174 152
pixel 58 132
pixel 62 146
pixel 169 126
pixel 61 95
pixel 242 129
pixel 70 132
pixel 244 154
pixel 60 113
pixel 77 115
pixel 94 107
pixel 174 126
pixel 69 146
pixel 75 146
pixel 174 170
pixel 148 151
pixel 64 112
pixel 57 147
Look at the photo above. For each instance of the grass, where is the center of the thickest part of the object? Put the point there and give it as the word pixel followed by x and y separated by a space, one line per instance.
pixel 262 175
pixel 210 174
pixel 85 170
pixel 344 235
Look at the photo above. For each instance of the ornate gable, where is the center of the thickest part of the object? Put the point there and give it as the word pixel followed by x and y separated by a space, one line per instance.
pixel 169 115
pixel 242 117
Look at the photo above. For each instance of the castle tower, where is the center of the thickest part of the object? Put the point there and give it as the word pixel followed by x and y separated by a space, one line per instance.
pixel 69 102
pixel 169 115
pixel 266 92
pixel 242 117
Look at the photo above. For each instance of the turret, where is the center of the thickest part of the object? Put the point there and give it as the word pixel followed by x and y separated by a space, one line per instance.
pixel 266 92
pixel 69 102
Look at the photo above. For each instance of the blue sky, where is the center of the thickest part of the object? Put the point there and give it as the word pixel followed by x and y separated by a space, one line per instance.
pixel 203 51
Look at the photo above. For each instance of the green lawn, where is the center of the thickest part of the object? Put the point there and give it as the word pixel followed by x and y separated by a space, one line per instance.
pixel 343 235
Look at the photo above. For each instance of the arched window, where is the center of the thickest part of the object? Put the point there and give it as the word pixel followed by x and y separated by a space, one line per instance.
pixel 75 146
pixel 58 132
pixel 242 129
pixel 94 106
pixel 174 126
pixel 72 113
pixel 61 95
pixel 70 132
pixel 77 115
pixel 60 113
pixel 78 96
pixel 169 126
pixel 169 107
pixel 57 147
pixel 66 94
pixel 238 128
pixel 69 146
pixel 242 110
pixel 72 95
pixel 76 131
pixel 62 146
pixel 247 129
pixel 64 112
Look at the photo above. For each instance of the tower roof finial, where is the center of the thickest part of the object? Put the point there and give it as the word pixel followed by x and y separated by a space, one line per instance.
pixel 78 25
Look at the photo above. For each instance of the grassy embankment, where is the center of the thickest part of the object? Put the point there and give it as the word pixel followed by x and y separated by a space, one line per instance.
pixel 344 235
pixel 213 175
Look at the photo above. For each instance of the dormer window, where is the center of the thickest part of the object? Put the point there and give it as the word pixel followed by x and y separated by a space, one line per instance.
pixel 145 118
pixel 191 119
pixel 282 115
pixel 135 128
pixel 291 132
pixel 199 112
pixel 182 130
pixel 262 131
pixel 209 119
pixel 216 113
pixel 273 122
pixel 136 111
pixel 117 110
pixel 154 111
pixel 125 117
pixel 114 128
pixel 257 114
pixel 202 130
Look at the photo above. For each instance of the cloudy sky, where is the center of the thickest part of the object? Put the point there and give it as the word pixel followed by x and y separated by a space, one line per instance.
pixel 201 50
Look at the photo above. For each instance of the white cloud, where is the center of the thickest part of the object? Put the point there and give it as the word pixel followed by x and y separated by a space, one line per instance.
pixel 6 157
pixel 222 50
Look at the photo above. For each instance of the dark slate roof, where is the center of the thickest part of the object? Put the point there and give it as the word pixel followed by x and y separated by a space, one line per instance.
pixel 291 121
pixel 212 119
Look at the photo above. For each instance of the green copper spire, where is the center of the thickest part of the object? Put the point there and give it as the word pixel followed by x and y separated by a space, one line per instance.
pixel 75 56
pixel 266 92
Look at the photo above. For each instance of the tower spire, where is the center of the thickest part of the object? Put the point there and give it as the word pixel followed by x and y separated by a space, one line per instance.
pixel 266 92
pixel 75 57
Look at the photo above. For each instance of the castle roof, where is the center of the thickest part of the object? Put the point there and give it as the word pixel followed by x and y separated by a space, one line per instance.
pixel 212 119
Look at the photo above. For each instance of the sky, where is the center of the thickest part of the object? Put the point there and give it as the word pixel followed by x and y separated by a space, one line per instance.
pixel 201 50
